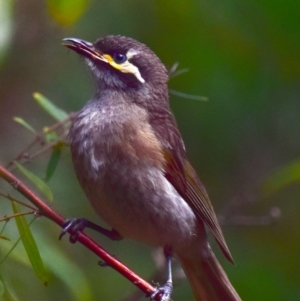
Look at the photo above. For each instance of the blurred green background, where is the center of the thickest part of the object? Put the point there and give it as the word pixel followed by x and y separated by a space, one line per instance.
pixel 244 56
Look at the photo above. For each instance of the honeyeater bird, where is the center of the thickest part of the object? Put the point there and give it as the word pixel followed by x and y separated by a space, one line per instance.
pixel 131 162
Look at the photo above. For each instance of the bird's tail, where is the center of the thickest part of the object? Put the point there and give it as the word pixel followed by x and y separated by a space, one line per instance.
pixel 208 280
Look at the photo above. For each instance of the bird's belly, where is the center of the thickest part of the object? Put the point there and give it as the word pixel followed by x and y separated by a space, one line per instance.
pixel 143 206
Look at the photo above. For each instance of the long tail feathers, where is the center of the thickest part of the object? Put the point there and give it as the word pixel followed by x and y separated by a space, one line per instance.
pixel 207 278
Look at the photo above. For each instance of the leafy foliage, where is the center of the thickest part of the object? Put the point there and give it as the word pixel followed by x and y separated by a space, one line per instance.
pixel 244 56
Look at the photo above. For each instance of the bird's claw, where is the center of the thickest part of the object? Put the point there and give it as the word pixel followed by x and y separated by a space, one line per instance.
pixel 73 225
pixel 165 291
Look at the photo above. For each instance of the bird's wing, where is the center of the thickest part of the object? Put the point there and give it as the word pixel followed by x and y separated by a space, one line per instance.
pixel 183 177
pixel 185 180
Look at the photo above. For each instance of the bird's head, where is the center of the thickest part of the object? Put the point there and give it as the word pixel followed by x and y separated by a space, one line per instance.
pixel 119 62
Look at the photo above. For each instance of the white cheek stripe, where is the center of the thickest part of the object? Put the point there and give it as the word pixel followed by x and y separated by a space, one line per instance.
pixel 127 67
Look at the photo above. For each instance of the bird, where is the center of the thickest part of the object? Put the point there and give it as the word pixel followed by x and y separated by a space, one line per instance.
pixel 131 162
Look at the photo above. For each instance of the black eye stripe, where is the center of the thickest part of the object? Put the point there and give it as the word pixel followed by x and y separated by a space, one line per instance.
pixel 119 58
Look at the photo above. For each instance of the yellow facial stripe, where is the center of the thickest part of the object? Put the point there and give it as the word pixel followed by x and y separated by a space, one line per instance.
pixel 125 67
pixel 111 61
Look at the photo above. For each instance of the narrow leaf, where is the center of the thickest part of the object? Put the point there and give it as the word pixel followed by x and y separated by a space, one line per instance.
pixel 36 181
pixel 5 294
pixel 188 96
pixel 4 237
pixel 281 178
pixel 24 123
pixel 30 245
pixel 53 162
pixel 71 275
pixel 56 112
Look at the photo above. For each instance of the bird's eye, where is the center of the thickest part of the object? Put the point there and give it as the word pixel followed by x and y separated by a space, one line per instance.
pixel 119 58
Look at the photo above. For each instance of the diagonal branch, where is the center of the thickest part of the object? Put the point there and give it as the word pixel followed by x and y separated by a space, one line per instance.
pixel 84 239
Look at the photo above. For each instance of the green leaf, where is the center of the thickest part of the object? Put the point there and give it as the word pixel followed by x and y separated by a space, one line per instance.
pixel 5 294
pixel 53 162
pixel 4 237
pixel 36 181
pixel 57 263
pixel 7 9
pixel 281 178
pixel 188 96
pixel 56 112
pixel 24 123
pixel 50 136
pixel 66 12
pixel 70 274
pixel 30 245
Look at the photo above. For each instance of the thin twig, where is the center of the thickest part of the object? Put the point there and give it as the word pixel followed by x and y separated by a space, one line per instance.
pixel 38 138
pixel 8 217
pixel 9 197
pixel 41 140
pixel 14 245
pixel 46 148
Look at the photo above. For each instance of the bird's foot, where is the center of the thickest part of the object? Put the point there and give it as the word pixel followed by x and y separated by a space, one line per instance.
pixel 73 225
pixel 165 291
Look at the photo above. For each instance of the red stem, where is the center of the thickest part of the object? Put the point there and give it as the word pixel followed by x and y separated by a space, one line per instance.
pixel 84 239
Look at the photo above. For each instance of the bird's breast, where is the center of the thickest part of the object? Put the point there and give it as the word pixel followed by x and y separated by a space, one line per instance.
pixel 111 138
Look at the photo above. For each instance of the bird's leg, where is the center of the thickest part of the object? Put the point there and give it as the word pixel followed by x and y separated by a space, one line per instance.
pixel 78 224
pixel 167 288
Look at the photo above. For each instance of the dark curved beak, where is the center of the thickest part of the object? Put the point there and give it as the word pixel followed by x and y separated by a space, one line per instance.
pixel 83 48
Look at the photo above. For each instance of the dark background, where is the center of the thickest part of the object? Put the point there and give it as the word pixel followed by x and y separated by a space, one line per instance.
pixel 243 55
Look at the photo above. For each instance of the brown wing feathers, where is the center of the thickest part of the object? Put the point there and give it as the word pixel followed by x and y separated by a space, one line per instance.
pixel 185 180
pixel 198 199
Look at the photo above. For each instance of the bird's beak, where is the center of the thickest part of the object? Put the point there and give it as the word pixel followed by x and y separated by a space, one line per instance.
pixel 84 48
